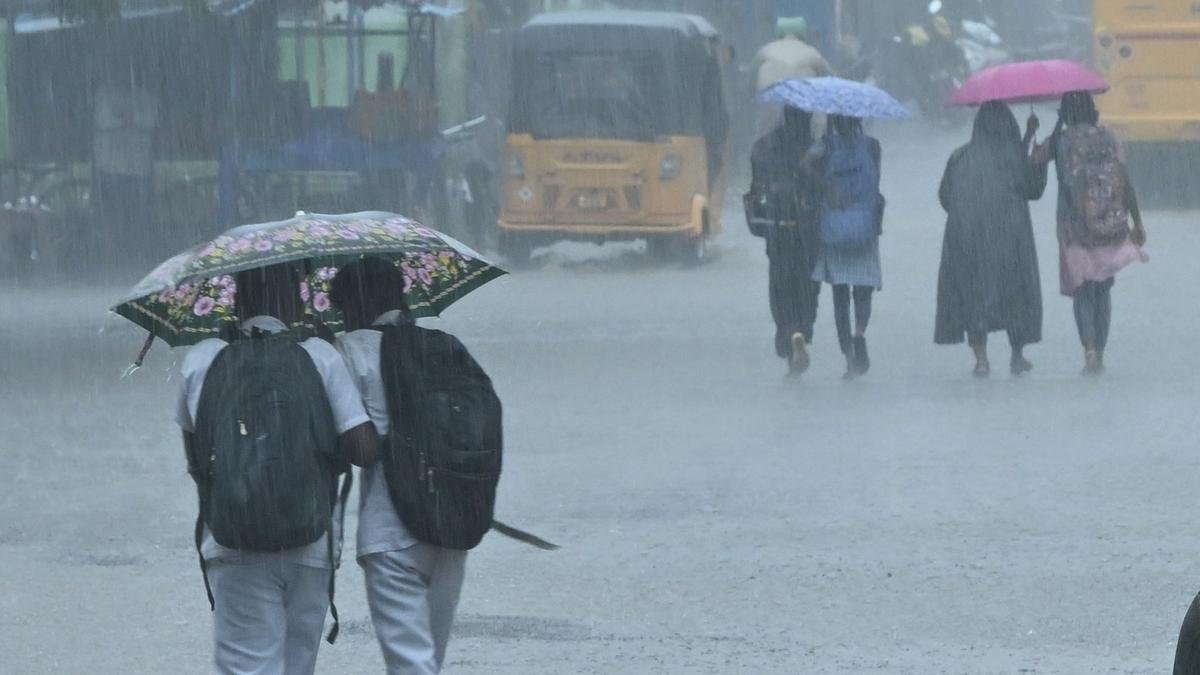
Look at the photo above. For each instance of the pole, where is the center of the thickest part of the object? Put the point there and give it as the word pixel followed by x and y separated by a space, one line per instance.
pixel 228 184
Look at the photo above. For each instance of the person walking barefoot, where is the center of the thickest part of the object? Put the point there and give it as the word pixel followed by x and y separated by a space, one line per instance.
pixel 989 279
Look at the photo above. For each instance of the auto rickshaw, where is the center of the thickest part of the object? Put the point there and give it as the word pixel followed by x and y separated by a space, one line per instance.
pixel 618 130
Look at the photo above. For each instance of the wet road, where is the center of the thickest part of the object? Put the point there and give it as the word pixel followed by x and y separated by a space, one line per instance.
pixel 715 518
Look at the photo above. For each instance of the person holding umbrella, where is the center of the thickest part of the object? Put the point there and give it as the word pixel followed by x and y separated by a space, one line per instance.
pixel 780 208
pixel 1096 200
pixel 258 387
pixel 848 164
pixel 845 165
pixel 989 278
pixel 267 534
pixel 413 586
pixel 1095 196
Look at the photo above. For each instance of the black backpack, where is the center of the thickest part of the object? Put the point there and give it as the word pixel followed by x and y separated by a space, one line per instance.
pixel 442 457
pixel 264 454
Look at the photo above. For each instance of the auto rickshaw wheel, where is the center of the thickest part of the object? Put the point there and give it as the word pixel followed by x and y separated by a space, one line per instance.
pixel 685 249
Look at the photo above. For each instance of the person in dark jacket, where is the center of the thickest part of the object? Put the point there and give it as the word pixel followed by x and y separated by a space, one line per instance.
pixel 989 278
pixel 1187 647
pixel 782 196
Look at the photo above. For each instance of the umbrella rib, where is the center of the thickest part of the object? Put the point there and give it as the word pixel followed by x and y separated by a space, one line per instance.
pixel 137 305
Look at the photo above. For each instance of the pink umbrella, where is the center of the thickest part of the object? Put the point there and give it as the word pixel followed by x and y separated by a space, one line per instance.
pixel 1028 82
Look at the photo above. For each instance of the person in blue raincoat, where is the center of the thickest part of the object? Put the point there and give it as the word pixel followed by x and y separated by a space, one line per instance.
pixel 847 164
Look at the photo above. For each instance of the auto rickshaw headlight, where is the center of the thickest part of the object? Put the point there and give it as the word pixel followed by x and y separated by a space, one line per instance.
pixel 516 166
pixel 671 167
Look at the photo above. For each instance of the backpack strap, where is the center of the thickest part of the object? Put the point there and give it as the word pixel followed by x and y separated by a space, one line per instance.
pixel 523 536
pixel 212 605
pixel 343 499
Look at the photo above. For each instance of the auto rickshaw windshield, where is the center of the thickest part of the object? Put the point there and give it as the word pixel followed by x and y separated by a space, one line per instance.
pixel 592 94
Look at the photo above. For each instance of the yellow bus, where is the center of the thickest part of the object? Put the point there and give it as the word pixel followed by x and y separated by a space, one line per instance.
pixel 1149 51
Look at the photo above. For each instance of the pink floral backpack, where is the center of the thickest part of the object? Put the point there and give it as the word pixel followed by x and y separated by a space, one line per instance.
pixel 1097 183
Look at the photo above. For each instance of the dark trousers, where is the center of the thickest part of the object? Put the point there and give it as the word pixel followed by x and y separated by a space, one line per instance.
pixel 793 294
pixel 841 311
pixel 1093 313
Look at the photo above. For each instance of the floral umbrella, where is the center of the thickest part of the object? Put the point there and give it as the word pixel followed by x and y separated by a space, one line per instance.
pixel 189 297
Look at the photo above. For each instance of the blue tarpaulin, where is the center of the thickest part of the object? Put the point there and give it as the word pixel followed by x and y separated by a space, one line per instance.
pixel 328 144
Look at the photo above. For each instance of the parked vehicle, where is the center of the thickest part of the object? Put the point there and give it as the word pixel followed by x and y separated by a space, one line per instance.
pixel 1150 55
pixel 925 64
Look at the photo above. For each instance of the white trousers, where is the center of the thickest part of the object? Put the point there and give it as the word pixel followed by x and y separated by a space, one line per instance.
pixel 268 616
pixel 413 594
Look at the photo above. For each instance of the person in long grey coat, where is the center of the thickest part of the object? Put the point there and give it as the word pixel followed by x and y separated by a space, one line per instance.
pixel 989 278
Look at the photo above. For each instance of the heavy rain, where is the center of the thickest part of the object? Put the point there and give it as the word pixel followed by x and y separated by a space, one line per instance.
pixel 702 231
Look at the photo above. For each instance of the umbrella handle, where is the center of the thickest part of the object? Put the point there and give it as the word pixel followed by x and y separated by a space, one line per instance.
pixel 141 357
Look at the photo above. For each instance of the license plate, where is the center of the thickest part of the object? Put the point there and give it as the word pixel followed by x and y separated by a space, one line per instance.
pixel 593 201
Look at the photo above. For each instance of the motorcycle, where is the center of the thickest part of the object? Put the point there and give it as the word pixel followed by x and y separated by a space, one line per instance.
pixel 981 46
pixel 925 66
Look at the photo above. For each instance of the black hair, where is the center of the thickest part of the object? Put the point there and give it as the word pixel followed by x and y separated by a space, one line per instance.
pixel 366 288
pixel 1078 107
pixel 273 291
pixel 797 124
pixel 845 126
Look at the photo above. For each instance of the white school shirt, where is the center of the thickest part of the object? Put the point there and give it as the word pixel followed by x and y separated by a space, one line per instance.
pixel 379 527
pixel 348 412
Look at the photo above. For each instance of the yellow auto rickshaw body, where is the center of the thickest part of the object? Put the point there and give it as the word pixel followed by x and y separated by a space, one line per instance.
pixel 618 130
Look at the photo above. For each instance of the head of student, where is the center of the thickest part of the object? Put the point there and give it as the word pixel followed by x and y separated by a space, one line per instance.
pixel 845 126
pixel 367 288
pixel 995 122
pixel 797 121
pixel 1078 107
pixel 271 291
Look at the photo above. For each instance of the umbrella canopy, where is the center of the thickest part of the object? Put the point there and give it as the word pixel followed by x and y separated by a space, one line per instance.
pixel 1028 82
pixel 189 297
pixel 835 96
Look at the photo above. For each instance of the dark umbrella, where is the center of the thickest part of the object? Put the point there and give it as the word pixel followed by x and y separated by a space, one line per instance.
pixel 191 296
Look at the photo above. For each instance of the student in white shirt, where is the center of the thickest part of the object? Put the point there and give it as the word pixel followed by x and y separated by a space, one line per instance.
pixel 412 587
pixel 269 608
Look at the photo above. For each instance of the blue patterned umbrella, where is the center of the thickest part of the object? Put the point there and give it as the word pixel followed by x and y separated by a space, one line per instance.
pixel 835 96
